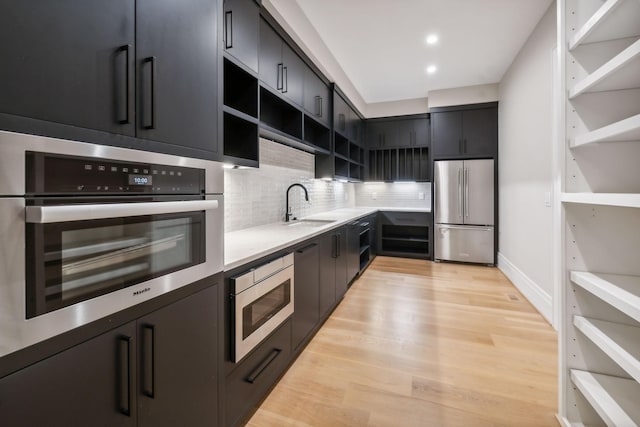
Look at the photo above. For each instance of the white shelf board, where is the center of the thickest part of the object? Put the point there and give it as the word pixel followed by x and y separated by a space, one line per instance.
pixel 624 130
pixel 621 72
pixel 627 200
pixel 614 399
pixel 621 292
pixel 613 20
pixel 620 342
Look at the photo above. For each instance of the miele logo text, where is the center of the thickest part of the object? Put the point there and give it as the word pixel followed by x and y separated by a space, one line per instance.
pixel 141 291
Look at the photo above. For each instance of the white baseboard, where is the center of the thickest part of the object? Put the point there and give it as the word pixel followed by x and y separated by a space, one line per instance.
pixel 531 290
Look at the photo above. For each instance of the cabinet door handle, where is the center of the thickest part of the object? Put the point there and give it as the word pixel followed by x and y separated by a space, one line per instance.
pixel 149 360
pixel 152 60
pixel 127 84
pixel 253 376
pixel 228 29
pixel 306 248
pixel 341 121
pixel 280 77
pixel 124 380
pixel 339 240
pixel 285 80
pixel 464 146
pixel 318 106
pixel 334 249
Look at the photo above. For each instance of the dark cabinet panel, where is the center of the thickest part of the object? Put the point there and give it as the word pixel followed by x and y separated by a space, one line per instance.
pixel 270 57
pixel 316 97
pixel 293 75
pixel 353 250
pixel 178 379
pixel 340 115
pixel 177 64
pixel 342 266
pixel 465 133
pixel 327 262
pixel 480 132
pixel 91 384
pixel 421 132
pixel 69 62
pixel 241 30
pixel 251 380
pixel 306 312
pixel 398 132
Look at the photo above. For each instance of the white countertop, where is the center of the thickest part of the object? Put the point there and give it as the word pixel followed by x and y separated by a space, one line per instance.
pixel 250 244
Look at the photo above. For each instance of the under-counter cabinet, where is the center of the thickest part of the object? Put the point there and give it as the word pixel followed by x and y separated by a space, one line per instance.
pixel 241 31
pixel 405 234
pixel 469 131
pixel 161 370
pixel 599 45
pixel 333 268
pixel 97 71
pixel 306 312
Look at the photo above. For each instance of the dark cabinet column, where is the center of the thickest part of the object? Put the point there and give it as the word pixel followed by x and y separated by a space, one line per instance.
pixel 306 312
pixel 177 65
pixel 178 379
pixel 69 62
pixel 270 57
pixel 241 30
pixel 446 130
pixel 91 384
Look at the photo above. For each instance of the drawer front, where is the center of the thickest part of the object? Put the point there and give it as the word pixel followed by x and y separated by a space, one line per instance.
pixel 405 218
pixel 464 243
pixel 254 377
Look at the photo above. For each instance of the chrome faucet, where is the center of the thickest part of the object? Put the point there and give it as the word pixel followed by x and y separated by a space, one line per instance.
pixel 288 215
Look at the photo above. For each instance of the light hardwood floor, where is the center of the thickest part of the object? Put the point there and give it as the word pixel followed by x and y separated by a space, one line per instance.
pixel 416 343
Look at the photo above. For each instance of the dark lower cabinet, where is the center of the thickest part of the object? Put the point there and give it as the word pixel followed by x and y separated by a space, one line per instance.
pixel 333 268
pixel 405 234
pixel 353 250
pixel 342 263
pixel 306 314
pixel 248 383
pixel 160 370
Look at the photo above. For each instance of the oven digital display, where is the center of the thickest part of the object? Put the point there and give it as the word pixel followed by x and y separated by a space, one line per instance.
pixel 140 180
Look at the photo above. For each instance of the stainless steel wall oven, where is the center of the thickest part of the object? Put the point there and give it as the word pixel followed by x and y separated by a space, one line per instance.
pixel 90 230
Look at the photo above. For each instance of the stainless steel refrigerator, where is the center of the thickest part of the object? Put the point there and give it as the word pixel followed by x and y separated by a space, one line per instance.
pixel 464 210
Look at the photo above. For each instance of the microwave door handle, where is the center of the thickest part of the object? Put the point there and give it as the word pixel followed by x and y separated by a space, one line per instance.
pixel 67 213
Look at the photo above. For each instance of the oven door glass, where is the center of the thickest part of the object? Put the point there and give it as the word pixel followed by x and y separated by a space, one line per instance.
pixel 259 311
pixel 75 261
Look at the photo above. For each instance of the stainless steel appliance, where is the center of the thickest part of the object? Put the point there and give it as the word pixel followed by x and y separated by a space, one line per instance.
pixel 263 300
pixel 464 210
pixel 90 230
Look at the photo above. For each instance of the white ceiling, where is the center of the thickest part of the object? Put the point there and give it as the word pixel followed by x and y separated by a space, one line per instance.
pixel 380 44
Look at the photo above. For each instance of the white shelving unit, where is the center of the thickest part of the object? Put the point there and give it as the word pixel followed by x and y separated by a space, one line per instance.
pixel 600 324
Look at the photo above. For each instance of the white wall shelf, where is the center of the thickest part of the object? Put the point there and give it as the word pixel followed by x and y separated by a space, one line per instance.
pixel 620 342
pixel 621 292
pixel 624 130
pixel 626 200
pixel 609 22
pixel 621 72
pixel 614 399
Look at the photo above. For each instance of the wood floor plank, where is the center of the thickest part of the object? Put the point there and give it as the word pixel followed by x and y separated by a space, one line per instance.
pixel 417 343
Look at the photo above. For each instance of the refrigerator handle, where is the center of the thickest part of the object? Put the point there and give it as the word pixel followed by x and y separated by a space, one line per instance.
pixel 466 192
pixel 460 183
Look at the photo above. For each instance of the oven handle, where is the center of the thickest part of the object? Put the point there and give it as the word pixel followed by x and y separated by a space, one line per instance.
pixel 50 214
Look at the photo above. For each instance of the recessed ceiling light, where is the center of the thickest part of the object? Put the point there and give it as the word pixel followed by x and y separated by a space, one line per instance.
pixel 431 69
pixel 432 39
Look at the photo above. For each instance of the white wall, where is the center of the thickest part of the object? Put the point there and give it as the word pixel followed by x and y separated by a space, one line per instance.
pixel 526 167
pixel 397 108
pixel 463 95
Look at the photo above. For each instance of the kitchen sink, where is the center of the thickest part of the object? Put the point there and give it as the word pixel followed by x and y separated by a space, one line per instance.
pixel 308 222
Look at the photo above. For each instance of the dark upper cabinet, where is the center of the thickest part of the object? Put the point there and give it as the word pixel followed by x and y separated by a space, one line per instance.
pixel 398 132
pixel 341 115
pixel 241 31
pixel 316 97
pixel 465 133
pixel 279 66
pixel 69 62
pixel 177 67
pixel 145 69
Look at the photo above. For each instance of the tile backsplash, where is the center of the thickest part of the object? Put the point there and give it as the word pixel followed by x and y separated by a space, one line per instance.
pixel 257 196
pixel 401 195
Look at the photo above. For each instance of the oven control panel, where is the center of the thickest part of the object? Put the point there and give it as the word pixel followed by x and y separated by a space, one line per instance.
pixel 60 174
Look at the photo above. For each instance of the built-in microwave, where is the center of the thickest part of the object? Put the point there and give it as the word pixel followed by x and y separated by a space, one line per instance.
pixel 91 230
